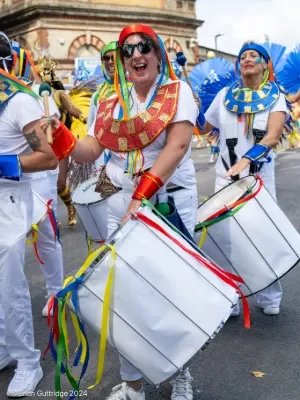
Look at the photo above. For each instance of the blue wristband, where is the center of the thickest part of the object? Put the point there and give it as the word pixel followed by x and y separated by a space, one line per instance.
pixel 10 167
pixel 201 120
pixel 256 152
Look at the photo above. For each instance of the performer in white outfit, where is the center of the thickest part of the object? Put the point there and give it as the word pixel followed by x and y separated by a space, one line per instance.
pixel 147 146
pixel 23 150
pixel 250 116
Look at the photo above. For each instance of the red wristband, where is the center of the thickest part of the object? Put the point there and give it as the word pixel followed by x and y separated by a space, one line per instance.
pixel 147 187
pixel 63 142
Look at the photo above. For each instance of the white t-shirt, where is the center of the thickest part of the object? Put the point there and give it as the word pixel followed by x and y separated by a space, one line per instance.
pixel 14 116
pixel 229 126
pixel 186 111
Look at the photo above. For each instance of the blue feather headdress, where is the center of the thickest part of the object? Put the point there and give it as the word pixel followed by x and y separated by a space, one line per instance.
pixel 209 71
pixel 289 77
pixel 276 52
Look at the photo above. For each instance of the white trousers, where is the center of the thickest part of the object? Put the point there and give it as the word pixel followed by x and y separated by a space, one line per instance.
pixel 186 202
pixel 50 251
pixel 16 326
pixel 272 295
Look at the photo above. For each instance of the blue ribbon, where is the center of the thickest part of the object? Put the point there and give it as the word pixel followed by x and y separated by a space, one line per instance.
pixel 10 167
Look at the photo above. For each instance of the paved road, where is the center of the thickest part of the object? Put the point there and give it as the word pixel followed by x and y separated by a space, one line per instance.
pixel 224 370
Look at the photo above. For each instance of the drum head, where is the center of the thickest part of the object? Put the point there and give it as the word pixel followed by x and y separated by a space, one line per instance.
pixel 225 197
pixel 85 193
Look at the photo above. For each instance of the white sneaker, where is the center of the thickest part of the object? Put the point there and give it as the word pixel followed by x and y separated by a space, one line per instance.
pixel 5 359
pixel 271 310
pixel 124 392
pixel 212 159
pixel 181 387
pixel 45 309
pixel 24 382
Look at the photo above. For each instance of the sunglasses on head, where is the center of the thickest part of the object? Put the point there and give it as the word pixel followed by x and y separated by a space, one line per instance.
pixel 144 47
pixel 108 58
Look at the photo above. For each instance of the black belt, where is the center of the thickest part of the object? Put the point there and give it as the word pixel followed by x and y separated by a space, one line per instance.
pixel 231 143
pixel 173 189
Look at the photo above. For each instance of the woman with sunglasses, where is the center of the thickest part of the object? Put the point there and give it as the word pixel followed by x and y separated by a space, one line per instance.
pixel 148 127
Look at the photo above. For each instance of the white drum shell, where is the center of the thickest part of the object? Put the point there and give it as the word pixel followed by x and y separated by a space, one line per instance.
pixel 258 243
pixel 91 210
pixel 165 305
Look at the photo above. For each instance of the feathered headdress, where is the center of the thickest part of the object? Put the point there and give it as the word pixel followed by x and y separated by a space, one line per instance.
pixel 289 77
pixel 276 52
pixel 210 70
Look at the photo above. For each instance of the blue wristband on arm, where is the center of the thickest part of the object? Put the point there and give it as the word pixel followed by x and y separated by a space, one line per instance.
pixel 256 152
pixel 10 167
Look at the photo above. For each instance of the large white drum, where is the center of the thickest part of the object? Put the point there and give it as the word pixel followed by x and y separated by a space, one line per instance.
pixel 165 304
pixel 39 211
pixel 258 242
pixel 91 209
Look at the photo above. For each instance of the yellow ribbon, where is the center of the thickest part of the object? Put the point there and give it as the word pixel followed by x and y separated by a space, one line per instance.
pixel 105 318
pixel 203 237
pixel 35 234
pixel 89 245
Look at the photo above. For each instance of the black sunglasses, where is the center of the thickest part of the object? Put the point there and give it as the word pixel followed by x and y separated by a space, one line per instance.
pixel 144 47
pixel 108 58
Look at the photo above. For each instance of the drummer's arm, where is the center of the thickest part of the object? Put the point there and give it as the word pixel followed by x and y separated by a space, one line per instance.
pixel 276 123
pixel 42 157
pixel 179 136
pixel 84 150
pixel 87 150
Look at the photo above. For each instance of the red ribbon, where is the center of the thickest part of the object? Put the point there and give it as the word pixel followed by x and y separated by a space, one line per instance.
pixel 51 217
pixel 36 250
pixel 225 276
pixel 238 202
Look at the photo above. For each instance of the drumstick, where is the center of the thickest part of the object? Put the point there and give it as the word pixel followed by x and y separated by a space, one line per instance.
pixel 181 60
pixel 45 92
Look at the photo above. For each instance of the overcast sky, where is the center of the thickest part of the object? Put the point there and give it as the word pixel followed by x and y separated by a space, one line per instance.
pixel 241 20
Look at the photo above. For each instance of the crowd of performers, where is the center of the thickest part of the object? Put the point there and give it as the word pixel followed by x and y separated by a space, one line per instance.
pixel 137 129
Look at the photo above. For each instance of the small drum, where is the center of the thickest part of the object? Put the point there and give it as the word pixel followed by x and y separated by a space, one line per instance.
pixel 258 242
pixel 165 304
pixel 91 209
pixel 39 211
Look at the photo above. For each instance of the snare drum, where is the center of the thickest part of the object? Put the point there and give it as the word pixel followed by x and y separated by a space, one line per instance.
pixel 165 304
pixel 258 242
pixel 91 209
pixel 40 211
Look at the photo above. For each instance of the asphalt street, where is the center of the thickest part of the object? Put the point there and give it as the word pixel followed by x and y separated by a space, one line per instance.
pixel 224 370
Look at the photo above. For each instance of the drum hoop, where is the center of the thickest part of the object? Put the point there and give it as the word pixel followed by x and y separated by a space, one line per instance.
pixel 216 193
pixel 93 203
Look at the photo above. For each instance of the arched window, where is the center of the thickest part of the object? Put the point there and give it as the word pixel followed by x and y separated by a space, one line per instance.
pixel 85 46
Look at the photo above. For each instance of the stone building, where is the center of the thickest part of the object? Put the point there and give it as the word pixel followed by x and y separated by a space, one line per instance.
pixel 68 29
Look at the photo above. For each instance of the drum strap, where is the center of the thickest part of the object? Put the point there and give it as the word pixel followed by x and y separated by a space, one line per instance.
pixel 231 143
pixel 258 136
